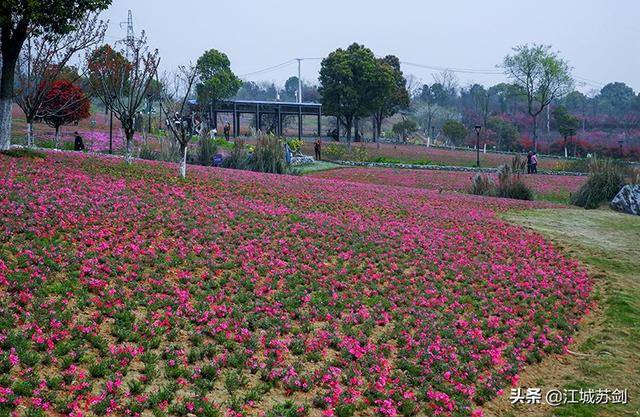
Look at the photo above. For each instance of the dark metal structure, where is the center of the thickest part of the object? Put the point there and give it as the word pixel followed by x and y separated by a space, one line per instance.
pixel 276 110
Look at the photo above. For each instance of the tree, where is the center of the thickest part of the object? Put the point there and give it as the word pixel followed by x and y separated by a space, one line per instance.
pixel 217 81
pixel 541 75
pixel 455 131
pixel 396 97
pixel 404 128
pixel 506 132
pixel 616 97
pixel 174 106
pixel 352 83
pixel 481 101
pixel 19 19
pixel 44 59
pixel 64 104
pixel 566 123
pixel 290 91
pixel 122 80
pixel 428 110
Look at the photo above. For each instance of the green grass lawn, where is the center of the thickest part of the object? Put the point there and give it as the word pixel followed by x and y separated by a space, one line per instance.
pixel 607 349
pixel 317 166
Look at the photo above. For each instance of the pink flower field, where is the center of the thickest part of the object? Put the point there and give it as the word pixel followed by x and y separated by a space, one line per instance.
pixel 126 291
pixel 546 185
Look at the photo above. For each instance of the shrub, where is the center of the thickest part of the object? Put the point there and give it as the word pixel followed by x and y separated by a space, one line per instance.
pixel 483 185
pixel 360 154
pixel 23 153
pixel 335 152
pixel 606 178
pixel 238 158
pixel 206 150
pixel 295 145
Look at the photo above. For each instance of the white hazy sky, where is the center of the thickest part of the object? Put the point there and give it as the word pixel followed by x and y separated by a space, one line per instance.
pixel 599 38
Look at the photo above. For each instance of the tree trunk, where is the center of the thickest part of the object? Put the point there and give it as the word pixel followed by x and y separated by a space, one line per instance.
pixel 11 41
pixel 183 161
pixel 5 124
pixel 535 134
pixel 57 143
pixel 129 138
pixel 356 125
pixel 30 133
pixel 378 129
pixel 348 125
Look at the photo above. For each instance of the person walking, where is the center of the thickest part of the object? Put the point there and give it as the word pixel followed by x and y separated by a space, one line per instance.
pixel 78 143
pixel 227 131
pixel 529 157
pixel 318 149
pixel 534 163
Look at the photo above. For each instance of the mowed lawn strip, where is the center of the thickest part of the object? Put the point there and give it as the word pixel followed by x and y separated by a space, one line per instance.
pixel 607 348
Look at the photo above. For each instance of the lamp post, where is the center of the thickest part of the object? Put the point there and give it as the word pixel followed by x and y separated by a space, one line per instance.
pixel 478 128
pixel 149 113
pixel 111 125
pixel 620 142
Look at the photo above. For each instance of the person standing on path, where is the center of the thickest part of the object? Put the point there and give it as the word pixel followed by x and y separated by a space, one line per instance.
pixel 78 143
pixel 529 157
pixel 318 149
pixel 534 163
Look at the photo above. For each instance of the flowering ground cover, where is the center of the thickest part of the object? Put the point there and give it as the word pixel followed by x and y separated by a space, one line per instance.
pixel 126 291
pixel 543 185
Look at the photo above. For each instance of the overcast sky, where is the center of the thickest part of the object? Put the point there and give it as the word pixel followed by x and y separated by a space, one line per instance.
pixel 599 38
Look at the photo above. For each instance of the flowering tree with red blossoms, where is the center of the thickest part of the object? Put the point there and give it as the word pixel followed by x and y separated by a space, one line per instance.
pixel 64 104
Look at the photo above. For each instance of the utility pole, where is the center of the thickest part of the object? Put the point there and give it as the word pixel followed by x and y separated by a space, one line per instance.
pixel 299 79
pixel 548 126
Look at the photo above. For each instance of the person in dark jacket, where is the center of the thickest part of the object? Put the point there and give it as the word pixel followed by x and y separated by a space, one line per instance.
pixel 78 144
pixel 529 156
pixel 318 148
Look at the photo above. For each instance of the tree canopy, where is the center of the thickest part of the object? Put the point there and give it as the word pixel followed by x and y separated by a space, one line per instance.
pixel 455 131
pixel 65 103
pixel 352 84
pixel 392 98
pixel 217 80
pixel 541 76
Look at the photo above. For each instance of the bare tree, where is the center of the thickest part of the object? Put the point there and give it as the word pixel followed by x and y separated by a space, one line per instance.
pixel 121 80
pixel 43 60
pixel 541 76
pixel 448 80
pixel 174 104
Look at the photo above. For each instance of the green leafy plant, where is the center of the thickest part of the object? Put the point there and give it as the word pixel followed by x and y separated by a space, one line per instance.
pixel 295 145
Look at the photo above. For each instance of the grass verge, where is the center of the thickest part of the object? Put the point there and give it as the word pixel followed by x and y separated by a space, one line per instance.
pixel 606 352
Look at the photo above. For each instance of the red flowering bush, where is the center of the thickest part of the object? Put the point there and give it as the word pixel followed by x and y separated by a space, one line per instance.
pixel 124 289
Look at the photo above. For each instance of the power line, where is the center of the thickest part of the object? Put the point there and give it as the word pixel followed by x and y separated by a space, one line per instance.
pixel 269 69
pixel 452 69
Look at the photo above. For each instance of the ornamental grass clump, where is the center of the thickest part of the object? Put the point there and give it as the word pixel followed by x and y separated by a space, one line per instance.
pixel 483 185
pixel 510 181
pixel 238 157
pixel 606 178
pixel 269 155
